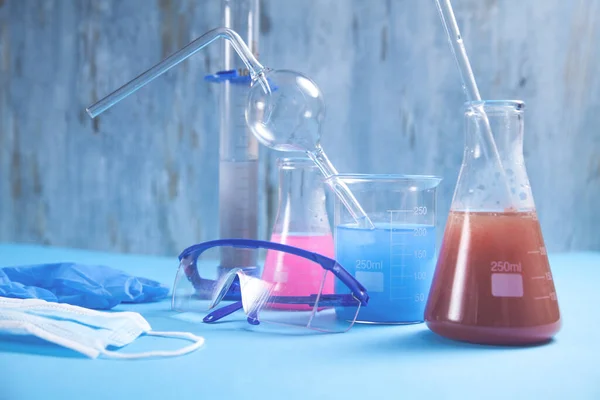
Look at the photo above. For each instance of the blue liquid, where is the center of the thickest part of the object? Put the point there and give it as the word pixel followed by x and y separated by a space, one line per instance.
pixel 395 264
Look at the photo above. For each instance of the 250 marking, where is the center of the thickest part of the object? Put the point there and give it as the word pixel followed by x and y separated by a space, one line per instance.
pixel 420 210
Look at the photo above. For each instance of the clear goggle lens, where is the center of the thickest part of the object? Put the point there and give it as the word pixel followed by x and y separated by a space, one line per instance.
pixel 290 290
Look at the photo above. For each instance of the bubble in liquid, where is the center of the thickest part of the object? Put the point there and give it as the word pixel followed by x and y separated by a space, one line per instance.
pixel 481 187
pixel 509 172
pixel 522 196
pixel 513 191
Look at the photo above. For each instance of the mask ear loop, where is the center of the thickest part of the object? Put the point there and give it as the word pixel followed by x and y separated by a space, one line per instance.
pixel 199 341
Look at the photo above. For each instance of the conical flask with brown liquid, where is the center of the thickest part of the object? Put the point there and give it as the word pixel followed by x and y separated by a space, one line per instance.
pixel 492 283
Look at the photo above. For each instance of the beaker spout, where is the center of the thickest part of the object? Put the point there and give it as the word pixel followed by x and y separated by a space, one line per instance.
pixel 254 67
pixel 340 188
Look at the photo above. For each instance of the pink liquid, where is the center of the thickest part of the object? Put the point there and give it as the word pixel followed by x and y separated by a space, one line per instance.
pixel 297 276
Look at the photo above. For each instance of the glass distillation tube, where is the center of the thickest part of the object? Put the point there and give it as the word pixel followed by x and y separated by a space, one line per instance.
pixel 492 283
pixel 238 152
pixel 284 109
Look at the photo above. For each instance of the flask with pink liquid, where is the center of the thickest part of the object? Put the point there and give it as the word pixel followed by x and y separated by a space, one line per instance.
pixel 301 221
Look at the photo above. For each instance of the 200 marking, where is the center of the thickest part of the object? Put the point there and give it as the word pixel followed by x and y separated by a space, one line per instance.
pixel 420 232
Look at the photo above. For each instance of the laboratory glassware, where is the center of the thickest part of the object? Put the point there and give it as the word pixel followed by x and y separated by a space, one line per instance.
pixel 493 283
pixel 301 221
pixel 289 118
pixel 195 290
pixel 395 261
pixel 238 148
pixel 284 110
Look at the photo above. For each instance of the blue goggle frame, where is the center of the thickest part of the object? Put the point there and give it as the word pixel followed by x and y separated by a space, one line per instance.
pixel 358 291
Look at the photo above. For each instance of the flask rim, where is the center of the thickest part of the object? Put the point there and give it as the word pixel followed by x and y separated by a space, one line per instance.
pixel 496 105
pixel 426 181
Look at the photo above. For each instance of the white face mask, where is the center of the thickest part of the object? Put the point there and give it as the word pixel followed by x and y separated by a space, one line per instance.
pixel 86 331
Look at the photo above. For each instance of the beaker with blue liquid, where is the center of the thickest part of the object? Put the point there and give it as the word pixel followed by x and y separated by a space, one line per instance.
pixel 396 259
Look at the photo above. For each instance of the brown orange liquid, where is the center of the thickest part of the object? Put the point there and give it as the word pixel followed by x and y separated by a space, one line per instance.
pixel 492 283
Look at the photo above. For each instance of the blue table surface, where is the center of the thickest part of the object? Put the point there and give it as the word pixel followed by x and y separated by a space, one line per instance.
pixel 368 362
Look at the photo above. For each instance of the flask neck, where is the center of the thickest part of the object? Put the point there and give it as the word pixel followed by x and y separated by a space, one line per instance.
pixel 302 199
pixel 506 121
pixel 490 181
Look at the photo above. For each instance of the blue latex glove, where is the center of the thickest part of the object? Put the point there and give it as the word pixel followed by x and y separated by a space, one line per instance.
pixel 90 286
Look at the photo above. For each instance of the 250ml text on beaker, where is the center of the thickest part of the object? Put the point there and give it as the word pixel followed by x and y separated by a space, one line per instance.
pixel 369 265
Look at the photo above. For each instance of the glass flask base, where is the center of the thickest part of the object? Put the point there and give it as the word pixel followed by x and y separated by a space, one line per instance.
pixel 506 336
pixel 388 322
pixel 381 316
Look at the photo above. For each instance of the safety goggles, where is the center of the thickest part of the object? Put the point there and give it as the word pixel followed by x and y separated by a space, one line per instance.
pixel 294 288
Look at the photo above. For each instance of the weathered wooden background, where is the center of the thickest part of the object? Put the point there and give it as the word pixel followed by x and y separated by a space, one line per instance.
pixel 143 176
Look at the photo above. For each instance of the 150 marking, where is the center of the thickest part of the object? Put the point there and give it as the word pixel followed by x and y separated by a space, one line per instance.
pixel 420 253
